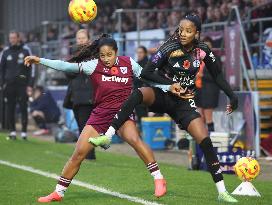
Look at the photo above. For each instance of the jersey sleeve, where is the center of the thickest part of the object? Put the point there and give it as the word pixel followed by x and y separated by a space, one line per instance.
pixel 214 67
pixel 87 67
pixel 164 88
pixel 136 68
pixel 157 61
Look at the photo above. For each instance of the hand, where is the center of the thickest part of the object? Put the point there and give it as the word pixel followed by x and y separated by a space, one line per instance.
pixel 175 89
pixel 31 59
pixel 232 106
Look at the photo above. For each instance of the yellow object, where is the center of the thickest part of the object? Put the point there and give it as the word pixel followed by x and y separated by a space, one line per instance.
pixel 82 11
pixel 239 144
pixel 247 168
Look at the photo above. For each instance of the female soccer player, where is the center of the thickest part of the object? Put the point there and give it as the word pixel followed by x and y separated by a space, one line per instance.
pixel 112 78
pixel 179 59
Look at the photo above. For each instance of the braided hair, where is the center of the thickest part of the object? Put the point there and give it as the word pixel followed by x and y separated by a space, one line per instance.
pixel 91 51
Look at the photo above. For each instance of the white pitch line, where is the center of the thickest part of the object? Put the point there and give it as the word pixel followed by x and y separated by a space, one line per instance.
pixel 80 183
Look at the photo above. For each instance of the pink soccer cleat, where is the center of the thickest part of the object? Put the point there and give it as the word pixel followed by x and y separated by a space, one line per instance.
pixel 160 187
pixel 51 197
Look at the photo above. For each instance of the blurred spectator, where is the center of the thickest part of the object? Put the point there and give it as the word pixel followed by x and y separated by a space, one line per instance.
pixel 52 34
pixel 142 58
pixel 44 110
pixel 224 11
pixel 209 3
pixel 209 15
pixel 32 37
pixel 207 93
pixel 68 32
pixel 16 80
pixel 161 22
pixel 217 15
pixel 177 4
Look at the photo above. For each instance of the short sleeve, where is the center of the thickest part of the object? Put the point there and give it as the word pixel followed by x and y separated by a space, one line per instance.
pixel 136 68
pixel 88 67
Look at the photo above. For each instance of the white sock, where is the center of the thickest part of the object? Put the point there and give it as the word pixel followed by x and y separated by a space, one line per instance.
pixel 23 134
pixel 157 174
pixel 60 190
pixel 110 132
pixel 12 133
pixel 220 186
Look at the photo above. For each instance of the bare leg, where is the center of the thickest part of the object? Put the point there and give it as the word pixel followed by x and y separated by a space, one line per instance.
pixel 83 147
pixel 200 133
pixel 208 114
pixel 130 134
pixel 198 130
pixel 201 111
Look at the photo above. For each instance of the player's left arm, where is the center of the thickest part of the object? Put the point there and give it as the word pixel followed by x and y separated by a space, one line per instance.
pixel 214 67
pixel 137 70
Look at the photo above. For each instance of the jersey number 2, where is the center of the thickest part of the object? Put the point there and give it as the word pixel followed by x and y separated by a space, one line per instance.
pixel 192 103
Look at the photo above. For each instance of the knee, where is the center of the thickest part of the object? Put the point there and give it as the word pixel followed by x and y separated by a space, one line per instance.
pixel 34 113
pixel 37 113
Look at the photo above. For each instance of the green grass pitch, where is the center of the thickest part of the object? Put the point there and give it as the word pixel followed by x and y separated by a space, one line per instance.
pixel 119 173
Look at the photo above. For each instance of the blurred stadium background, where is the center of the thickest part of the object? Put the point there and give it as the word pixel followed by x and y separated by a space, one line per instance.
pixel 242 35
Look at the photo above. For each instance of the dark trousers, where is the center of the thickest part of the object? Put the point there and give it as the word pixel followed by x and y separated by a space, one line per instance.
pixel 16 93
pixel 82 114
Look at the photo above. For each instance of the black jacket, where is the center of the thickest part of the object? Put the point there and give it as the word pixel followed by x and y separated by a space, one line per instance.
pixel 79 91
pixel 12 68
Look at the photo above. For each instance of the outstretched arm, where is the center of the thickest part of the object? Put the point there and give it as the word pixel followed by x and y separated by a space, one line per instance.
pixel 87 67
pixel 214 68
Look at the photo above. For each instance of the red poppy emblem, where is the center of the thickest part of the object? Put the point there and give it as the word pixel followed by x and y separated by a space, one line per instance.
pixel 186 64
pixel 114 71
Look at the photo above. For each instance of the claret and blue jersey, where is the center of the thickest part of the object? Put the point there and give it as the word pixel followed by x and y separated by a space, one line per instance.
pixel 112 86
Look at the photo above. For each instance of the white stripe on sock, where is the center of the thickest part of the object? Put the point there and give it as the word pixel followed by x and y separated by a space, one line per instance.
pixel 65 180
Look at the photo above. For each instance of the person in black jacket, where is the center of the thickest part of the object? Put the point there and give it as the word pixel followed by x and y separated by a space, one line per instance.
pixel 16 80
pixel 79 92
pixel 44 110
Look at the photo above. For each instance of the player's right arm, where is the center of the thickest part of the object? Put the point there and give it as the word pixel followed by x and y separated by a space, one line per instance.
pixel 157 61
pixel 87 67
